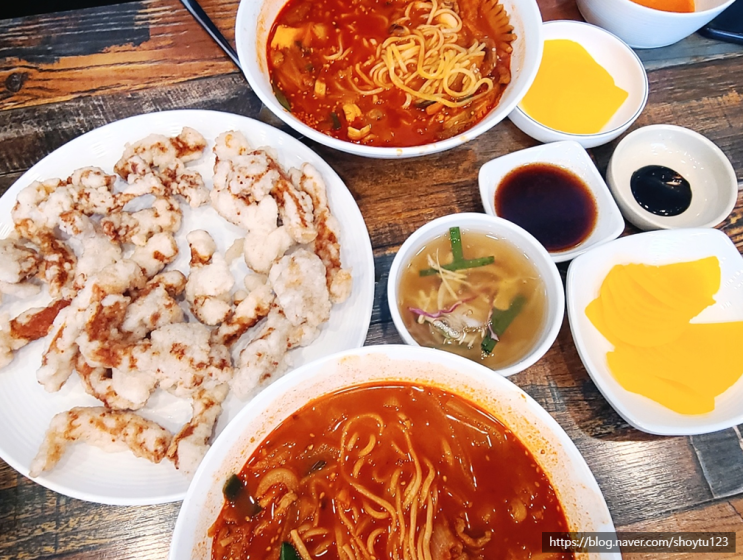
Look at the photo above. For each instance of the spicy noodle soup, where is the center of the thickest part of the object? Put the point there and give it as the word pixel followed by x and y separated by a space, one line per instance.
pixel 388 471
pixel 491 307
pixel 392 74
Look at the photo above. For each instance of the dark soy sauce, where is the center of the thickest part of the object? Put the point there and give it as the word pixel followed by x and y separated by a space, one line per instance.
pixel 660 190
pixel 550 202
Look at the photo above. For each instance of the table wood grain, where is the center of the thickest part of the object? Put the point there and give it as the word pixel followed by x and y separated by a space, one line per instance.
pixel 64 74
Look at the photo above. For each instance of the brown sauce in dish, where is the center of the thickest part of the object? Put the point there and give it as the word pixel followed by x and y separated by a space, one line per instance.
pixel 389 471
pixel 550 202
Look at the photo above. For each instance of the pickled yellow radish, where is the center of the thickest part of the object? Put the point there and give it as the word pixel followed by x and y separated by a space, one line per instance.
pixel 645 312
pixel 572 92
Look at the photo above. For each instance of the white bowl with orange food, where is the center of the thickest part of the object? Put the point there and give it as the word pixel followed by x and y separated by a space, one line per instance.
pixel 332 483
pixel 372 81
pixel 657 319
pixel 648 24
pixel 497 299
pixel 590 87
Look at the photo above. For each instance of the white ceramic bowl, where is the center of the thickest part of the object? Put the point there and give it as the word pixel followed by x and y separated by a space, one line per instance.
pixel 645 28
pixel 714 186
pixel 502 229
pixel 585 276
pixel 571 156
pixel 581 498
pixel 618 59
pixel 253 24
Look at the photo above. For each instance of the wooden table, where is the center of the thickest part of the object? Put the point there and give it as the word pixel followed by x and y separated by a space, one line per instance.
pixel 64 74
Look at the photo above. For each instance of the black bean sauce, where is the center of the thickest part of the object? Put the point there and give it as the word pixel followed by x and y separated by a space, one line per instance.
pixel 661 190
pixel 548 201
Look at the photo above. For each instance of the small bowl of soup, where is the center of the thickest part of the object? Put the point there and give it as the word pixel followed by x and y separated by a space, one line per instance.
pixel 394 79
pixel 389 452
pixel 648 24
pixel 478 286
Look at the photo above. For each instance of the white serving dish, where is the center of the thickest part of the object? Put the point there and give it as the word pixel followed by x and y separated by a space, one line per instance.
pixel 585 275
pixel 253 24
pixel 496 227
pixel 87 472
pixel 645 28
pixel 618 59
pixel 569 155
pixel 570 476
pixel 714 185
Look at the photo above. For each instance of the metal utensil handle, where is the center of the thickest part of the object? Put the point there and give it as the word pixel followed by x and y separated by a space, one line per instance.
pixel 200 15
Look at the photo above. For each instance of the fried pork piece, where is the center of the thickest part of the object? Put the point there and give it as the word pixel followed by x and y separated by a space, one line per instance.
pixel 30 325
pixel 42 206
pixel 254 307
pixel 138 227
pixel 108 429
pixel 156 165
pixel 189 446
pixel 266 241
pixel 299 283
pixel 264 356
pixel 58 360
pixel 98 382
pixel 159 251
pixel 19 261
pixel 184 359
pixel 245 176
pixel 113 339
pixel 326 245
pixel 210 281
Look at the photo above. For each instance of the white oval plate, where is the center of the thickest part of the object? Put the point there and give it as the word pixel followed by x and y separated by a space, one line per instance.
pixel 585 276
pixel 89 473
pixel 570 476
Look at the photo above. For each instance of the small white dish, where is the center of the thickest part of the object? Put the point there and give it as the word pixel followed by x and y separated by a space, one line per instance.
pixel 618 59
pixel 645 28
pixel 571 156
pixel 585 276
pixel 714 186
pixel 570 476
pixel 501 229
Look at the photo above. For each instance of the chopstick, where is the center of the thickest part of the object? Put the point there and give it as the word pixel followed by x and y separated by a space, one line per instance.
pixel 200 16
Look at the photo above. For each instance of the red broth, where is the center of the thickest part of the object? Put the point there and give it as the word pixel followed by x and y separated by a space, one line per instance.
pixel 321 56
pixel 377 469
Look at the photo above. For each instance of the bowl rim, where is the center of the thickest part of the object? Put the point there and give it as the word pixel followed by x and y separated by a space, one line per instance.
pixel 601 134
pixel 674 15
pixel 381 152
pixel 661 222
pixel 605 205
pixel 423 233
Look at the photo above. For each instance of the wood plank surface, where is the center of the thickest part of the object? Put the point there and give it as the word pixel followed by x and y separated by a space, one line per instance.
pixel 63 75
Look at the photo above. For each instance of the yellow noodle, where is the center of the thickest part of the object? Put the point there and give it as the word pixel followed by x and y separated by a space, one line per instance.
pixel 374 513
pixel 371 538
pixel 299 545
pixel 368 449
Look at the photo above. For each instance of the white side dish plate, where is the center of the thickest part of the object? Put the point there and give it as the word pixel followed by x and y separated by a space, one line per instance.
pixel 86 472
pixel 585 276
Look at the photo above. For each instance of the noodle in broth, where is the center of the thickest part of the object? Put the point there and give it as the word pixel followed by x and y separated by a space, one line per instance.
pixel 391 471
pixel 400 73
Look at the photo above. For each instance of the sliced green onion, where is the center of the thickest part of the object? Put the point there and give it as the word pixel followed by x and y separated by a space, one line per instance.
pixel 336 120
pixel 281 98
pixel 455 239
pixel 288 552
pixel 459 265
pixel 232 488
pixel 500 319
